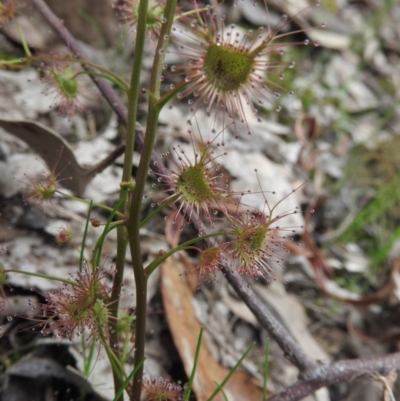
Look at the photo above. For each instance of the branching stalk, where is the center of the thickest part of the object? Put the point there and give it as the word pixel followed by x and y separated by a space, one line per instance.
pixel 135 208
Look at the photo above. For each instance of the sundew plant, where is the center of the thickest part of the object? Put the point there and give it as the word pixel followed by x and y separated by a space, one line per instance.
pixel 226 71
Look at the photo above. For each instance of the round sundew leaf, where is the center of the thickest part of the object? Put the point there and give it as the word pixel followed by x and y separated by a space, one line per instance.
pixel 68 83
pixel 194 186
pixel 227 67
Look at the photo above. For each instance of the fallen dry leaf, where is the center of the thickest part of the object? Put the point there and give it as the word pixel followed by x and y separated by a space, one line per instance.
pixel 185 330
pixel 58 154
pixel 173 229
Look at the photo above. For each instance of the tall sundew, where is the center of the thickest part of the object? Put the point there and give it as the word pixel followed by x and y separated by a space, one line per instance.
pixel 227 69
pixel 197 184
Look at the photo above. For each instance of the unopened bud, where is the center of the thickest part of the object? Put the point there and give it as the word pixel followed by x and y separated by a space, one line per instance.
pixel 64 236
pixel 95 222
pixel 128 185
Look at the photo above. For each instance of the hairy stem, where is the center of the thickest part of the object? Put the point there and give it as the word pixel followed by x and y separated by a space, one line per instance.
pixel 186 245
pixel 114 302
pixel 23 40
pixel 133 100
pixel 94 204
pixel 137 196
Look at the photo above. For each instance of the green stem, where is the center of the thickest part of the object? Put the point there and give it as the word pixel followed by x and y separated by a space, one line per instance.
pixel 137 196
pixel 133 95
pixel 46 276
pixel 117 368
pixel 116 224
pixel 108 73
pixel 14 62
pixel 114 300
pixel 169 95
pixel 133 100
pixel 96 253
pixel 99 205
pixel 99 244
pixel 113 78
pixel 189 386
pixel 117 281
pixel 23 40
pixel 186 245
pixel 127 349
pixel 87 357
pixel 127 380
pixel 158 210
pixel 83 244
pixel 230 374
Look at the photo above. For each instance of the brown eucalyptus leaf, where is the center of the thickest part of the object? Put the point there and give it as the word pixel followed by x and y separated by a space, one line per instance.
pixel 172 228
pixel 58 154
pixel 185 329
